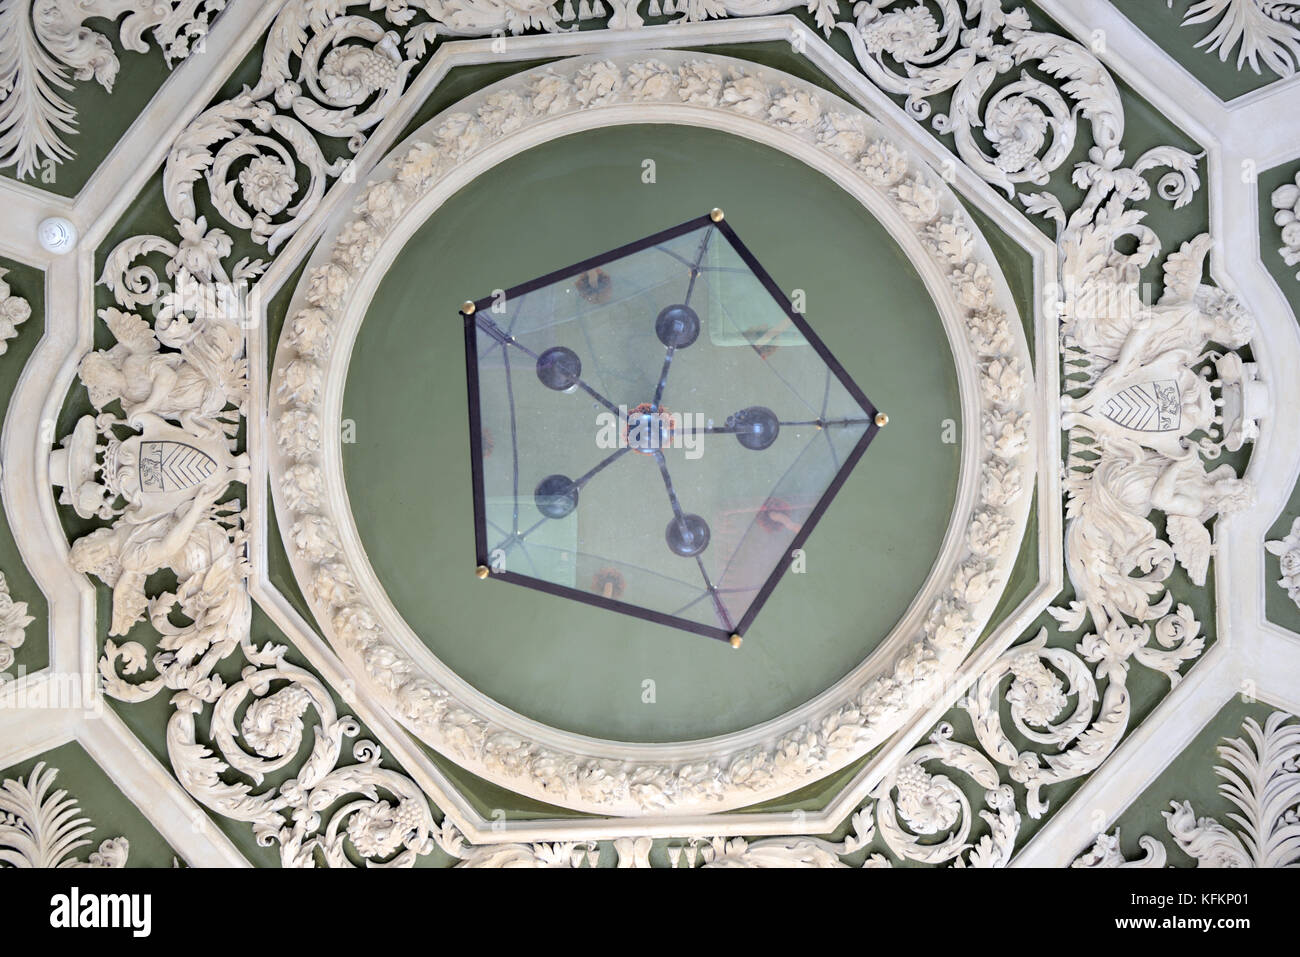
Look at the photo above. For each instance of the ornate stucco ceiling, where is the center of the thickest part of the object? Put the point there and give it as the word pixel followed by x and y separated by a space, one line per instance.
pixel 1053 618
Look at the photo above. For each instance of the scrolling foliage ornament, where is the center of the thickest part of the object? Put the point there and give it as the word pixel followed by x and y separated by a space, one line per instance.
pixel 1153 392
pixel 331 69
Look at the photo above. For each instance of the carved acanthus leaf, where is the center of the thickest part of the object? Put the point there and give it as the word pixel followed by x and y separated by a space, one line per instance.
pixel 1267 30
pixel 44 44
pixel 43 828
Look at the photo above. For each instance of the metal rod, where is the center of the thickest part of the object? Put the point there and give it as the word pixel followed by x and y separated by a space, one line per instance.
pixel 603 464
pixel 713 593
pixel 822 423
pixel 668 484
pixel 663 378
pixel 695 270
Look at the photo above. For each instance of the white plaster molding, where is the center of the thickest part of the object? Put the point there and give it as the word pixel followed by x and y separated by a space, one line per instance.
pixel 1266 668
pixel 29 508
pixel 1107 534
pixel 22 738
pixel 1138 761
pixel 1021 169
pixel 181 387
pixel 1016 225
pixel 717 852
pixel 371 822
pixel 154 789
pixel 26 207
pixel 136 157
pixel 647 90
pixel 1246 128
pixel 1256 139
pixel 1134 401
pixel 1239 137
pixel 31 731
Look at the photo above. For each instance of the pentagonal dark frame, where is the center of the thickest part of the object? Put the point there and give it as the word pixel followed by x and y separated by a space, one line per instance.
pixel 471 322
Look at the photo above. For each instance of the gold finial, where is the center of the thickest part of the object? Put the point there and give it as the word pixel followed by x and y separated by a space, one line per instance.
pixel 735 641
pixel 482 572
pixel 467 308
pixel 882 420
pixel 716 214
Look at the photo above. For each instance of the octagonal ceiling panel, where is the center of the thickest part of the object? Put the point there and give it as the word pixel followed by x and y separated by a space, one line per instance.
pixel 1075 705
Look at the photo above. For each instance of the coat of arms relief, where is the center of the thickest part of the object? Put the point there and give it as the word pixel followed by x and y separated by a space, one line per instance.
pixel 160 466
pixel 1157 392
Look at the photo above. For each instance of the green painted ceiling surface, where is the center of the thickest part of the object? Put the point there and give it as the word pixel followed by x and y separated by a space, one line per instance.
pixel 581 668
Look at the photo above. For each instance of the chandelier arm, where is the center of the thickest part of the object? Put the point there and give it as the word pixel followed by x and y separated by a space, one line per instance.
pixel 601 466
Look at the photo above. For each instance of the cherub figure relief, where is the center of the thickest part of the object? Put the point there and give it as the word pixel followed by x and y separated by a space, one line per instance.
pixel 197 385
pixel 189 541
pixel 1153 396
pixel 1114 554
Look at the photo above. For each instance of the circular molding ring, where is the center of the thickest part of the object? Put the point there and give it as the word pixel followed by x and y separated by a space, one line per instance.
pixel 910 666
